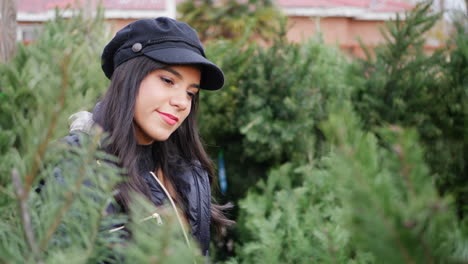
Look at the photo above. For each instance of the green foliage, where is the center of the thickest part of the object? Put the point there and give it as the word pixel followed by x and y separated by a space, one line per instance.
pixel 43 84
pixel 362 203
pixel 163 244
pixel 302 224
pixel 270 106
pixel 230 19
pixel 454 142
pixel 334 166
pixel 393 209
pixel 404 86
pixel 385 191
pixel 46 82
pixel 53 196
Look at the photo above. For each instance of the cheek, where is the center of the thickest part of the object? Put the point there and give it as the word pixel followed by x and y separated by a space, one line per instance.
pixel 146 102
pixel 138 113
pixel 187 112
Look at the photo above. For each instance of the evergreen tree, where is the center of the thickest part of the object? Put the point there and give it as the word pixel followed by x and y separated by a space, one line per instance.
pixel 392 207
pixel 269 110
pixel 362 203
pixel 404 86
pixel 230 19
pixel 373 197
pixel 455 131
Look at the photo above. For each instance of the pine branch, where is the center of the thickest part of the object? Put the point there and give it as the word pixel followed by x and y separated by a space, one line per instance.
pixel 426 249
pixel 95 226
pixel 68 199
pixel 165 242
pixel 25 217
pixel 29 179
pixel 405 172
pixel 95 231
pixel 405 169
pixel 331 250
pixel 7 192
pixel 347 151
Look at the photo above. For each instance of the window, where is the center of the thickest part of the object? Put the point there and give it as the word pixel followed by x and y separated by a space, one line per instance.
pixel 28 33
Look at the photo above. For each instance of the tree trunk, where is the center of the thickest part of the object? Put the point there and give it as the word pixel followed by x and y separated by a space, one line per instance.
pixel 7 29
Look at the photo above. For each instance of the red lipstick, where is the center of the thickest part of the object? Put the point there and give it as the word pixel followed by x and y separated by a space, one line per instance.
pixel 170 119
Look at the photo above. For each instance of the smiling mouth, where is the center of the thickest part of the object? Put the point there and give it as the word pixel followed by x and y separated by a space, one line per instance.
pixel 168 118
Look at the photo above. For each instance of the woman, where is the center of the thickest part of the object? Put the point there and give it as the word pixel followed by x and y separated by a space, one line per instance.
pixel 157 68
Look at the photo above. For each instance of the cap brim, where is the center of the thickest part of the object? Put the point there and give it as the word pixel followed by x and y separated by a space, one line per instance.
pixel 212 77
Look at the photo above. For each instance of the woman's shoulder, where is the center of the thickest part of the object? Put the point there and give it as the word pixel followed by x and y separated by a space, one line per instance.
pixel 190 171
pixel 81 121
pixel 81 126
pixel 73 139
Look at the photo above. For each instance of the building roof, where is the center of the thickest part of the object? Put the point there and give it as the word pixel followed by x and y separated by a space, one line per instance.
pixel 358 9
pixel 39 6
pixel 41 10
pixel 379 5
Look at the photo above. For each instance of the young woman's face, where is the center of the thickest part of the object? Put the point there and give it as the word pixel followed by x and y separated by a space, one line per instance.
pixel 164 101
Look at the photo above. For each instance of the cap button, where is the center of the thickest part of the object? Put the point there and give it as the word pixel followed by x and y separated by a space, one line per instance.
pixel 137 47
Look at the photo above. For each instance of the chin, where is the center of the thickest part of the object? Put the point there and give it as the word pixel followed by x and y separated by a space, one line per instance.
pixel 162 139
pixel 161 136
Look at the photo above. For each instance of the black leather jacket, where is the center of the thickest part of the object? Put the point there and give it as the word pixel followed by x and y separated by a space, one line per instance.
pixel 194 186
pixel 192 183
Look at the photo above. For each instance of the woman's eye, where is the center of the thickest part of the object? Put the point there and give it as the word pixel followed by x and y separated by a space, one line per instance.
pixel 191 94
pixel 167 80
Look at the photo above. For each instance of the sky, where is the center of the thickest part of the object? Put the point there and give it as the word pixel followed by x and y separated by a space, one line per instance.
pixel 451 4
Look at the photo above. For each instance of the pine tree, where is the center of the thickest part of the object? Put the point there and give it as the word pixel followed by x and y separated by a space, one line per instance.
pixel 269 110
pixel 404 86
pixel 230 19
pixel 392 207
pixel 374 196
pixel 362 203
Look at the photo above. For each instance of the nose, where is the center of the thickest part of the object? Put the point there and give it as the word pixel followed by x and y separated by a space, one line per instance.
pixel 180 100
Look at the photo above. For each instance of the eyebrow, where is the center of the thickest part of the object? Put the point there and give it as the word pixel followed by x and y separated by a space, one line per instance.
pixel 176 73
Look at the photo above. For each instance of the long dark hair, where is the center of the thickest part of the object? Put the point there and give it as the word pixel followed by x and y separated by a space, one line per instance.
pixel 115 116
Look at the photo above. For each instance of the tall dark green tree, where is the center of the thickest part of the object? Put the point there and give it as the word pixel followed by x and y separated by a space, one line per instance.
pixel 403 85
pixel 369 196
pixel 269 110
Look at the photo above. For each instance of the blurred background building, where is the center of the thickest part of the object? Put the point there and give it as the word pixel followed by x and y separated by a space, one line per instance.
pixel 118 13
pixel 340 22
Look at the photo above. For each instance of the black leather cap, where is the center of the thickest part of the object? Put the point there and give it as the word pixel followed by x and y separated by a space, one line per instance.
pixel 165 40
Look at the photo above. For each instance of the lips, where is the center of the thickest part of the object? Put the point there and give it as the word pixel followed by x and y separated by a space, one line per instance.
pixel 168 118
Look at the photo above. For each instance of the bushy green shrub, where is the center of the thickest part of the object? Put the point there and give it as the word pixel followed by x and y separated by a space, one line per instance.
pixel 402 85
pixel 392 207
pixel 362 203
pixel 271 104
pixel 373 198
pixel 286 223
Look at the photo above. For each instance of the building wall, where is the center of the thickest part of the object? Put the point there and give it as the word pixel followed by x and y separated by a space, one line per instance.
pixel 341 31
pixel 345 32
pixel 117 24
